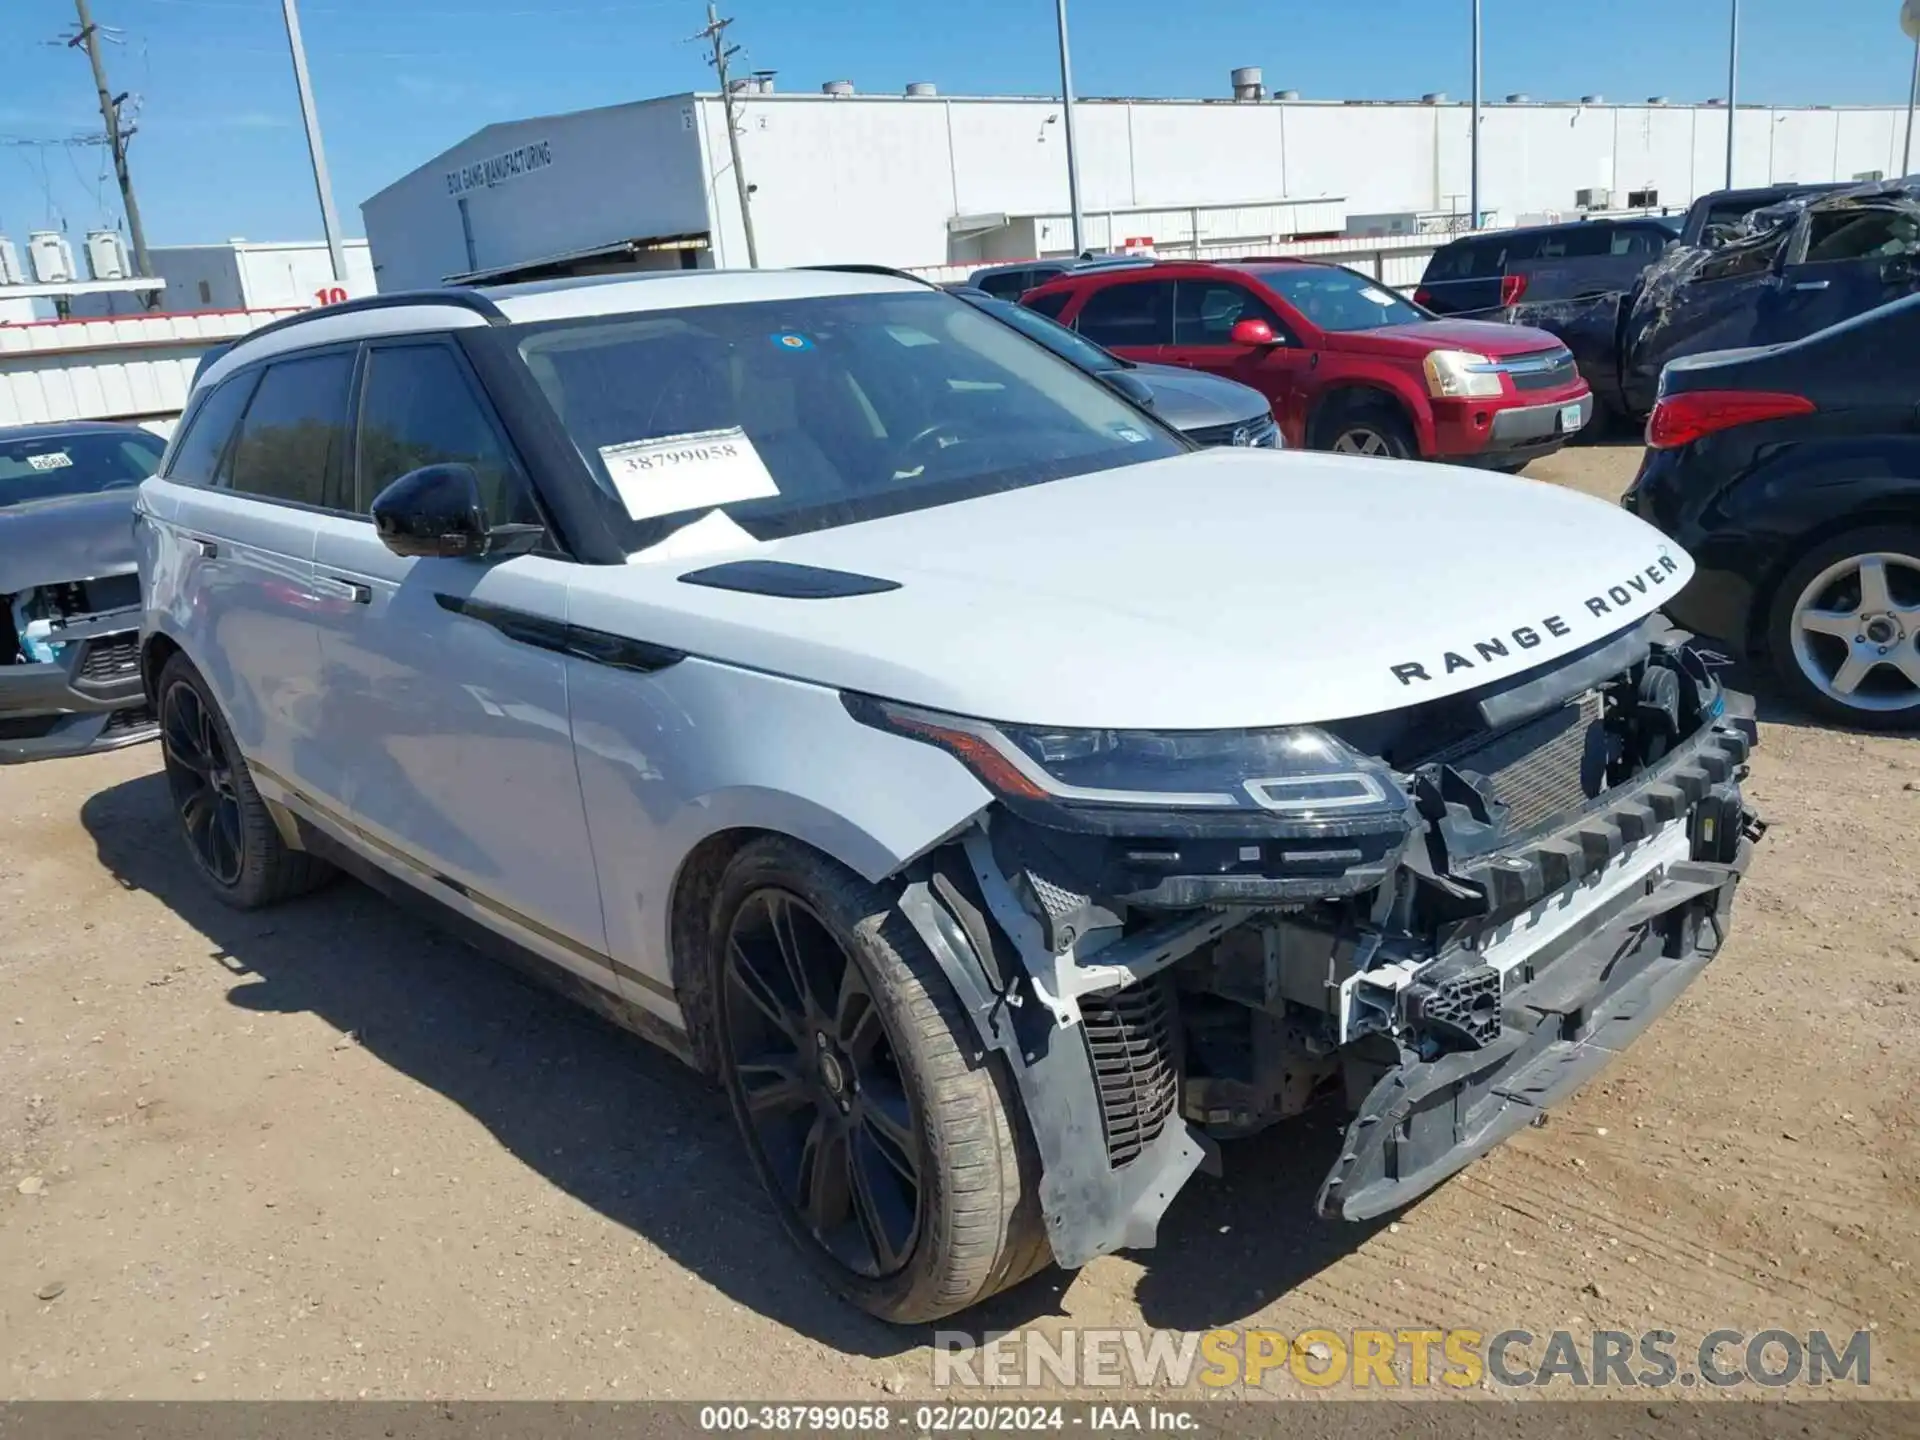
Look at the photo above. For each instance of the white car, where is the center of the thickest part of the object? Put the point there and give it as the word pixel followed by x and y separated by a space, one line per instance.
pixel 1002 796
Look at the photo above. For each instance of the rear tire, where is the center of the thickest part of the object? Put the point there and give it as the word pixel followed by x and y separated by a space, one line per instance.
pixel 1843 630
pixel 229 833
pixel 1372 428
pixel 895 1154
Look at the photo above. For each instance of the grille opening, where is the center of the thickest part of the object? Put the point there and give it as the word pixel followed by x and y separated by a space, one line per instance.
pixel 112 657
pixel 1132 1040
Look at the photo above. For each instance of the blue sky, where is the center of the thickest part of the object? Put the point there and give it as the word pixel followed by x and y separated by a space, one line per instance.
pixel 221 153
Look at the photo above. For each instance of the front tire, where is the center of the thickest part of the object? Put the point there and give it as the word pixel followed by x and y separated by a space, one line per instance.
pixel 229 834
pixel 1373 429
pixel 1844 629
pixel 894 1153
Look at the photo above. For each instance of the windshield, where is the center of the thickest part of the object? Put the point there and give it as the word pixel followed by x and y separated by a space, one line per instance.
pixel 797 415
pixel 50 467
pixel 1073 348
pixel 1337 299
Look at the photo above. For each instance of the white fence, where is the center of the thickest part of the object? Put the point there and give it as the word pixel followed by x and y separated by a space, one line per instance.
pixel 123 367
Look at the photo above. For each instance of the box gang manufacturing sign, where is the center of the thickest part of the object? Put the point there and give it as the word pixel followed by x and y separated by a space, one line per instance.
pixel 496 169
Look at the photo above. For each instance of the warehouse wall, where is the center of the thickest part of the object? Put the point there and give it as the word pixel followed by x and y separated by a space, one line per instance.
pixel 877 177
pixel 541 187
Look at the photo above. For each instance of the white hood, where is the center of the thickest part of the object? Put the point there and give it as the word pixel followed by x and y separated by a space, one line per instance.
pixel 1218 589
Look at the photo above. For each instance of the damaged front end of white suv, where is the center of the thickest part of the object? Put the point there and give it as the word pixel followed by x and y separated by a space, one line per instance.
pixel 1444 917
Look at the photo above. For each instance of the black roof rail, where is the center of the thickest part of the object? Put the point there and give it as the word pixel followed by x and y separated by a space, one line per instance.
pixel 857 268
pixel 457 298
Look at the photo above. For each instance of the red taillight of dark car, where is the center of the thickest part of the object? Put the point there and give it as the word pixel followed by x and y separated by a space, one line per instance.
pixel 1512 287
pixel 1423 297
pixel 1682 419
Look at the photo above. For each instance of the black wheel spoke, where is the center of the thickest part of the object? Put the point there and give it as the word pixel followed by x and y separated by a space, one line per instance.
pixel 820 1186
pixel 883 1208
pixel 767 996
pixel 888 1121
pixel 773 1085
pixel 226 814
pixel 196 815
pixel 787 941
pixel 857 1022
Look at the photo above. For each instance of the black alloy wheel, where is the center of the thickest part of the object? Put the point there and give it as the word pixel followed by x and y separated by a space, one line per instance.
pixel 828 1111
pixel 200 775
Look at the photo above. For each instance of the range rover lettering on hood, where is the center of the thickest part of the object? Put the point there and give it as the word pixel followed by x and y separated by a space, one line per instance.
pixel 1496 650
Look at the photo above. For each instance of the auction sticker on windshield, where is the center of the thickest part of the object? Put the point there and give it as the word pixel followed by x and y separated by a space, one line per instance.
pixel 695 471
pixel 56 460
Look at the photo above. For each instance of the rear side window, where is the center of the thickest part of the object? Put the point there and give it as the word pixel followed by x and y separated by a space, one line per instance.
pixel 1008 284
pixel 1049 305
pixel 417 408
pixel 295 430
pixel 197 456
pixel 1574 242
pixel 1473 259
pixel 1640 241
pixel 1140 313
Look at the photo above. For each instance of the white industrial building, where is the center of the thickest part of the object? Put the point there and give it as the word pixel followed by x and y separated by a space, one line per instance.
pixel 923 179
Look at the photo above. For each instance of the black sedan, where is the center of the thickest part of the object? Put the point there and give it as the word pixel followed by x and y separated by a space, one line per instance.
pixel 69 597
pixel 1792 475
pixel 1207 408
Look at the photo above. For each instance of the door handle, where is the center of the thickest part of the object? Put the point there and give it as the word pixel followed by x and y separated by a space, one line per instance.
pixel 208 550
pixel 1813 284
pixel 341 589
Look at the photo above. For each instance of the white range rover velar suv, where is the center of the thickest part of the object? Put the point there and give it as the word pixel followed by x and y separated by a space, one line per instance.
pixel 1005 799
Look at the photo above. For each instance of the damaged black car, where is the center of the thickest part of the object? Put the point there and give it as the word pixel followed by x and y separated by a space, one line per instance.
pixel 69 594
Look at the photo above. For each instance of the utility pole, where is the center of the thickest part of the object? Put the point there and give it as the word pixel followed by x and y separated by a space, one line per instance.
pixel 117 138
pixel 716 35
pixel 1733 87
pixel 1073 154
pixel 1910 22
pixel 329 221
pixel 1473 144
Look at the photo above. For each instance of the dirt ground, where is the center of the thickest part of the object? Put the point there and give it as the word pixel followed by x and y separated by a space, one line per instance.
pixel 325 1152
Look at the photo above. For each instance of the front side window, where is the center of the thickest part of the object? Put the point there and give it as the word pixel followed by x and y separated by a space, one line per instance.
pixel 84 462
pixel 416 408
pixel 797 415
pixel 1860 234
pixel 1337 299
pixel 1136 313
pixel 295 430
pixel 1205 311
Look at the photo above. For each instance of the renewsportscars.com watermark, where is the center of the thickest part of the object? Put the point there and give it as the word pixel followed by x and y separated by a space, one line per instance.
pixel 1457 1359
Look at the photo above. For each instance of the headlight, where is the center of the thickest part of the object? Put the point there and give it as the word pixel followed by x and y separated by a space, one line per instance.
pixel 1295 778
pixel 1460 375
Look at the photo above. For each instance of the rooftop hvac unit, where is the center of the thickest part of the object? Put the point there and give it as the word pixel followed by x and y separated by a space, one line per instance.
pixel 51 257
pixel 107 255
pixel 1869 174
pixel 837 87
pixel 1643 199
pixel 922 89
pixel 1597 198
pixel 1248 83
pixel 1519 97
pixel 1286 94
pixel 11 272
pixel 1434 97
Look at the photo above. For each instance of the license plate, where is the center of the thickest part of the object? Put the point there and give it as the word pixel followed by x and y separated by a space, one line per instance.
pixel 1569 418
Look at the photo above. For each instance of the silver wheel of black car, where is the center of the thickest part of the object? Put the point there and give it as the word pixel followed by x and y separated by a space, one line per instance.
pixel 895 1159
pixel 1846 628
pixel 228 831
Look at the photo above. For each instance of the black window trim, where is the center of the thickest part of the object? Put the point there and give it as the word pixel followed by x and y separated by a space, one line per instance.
pixel 1104 287
pixel 554 547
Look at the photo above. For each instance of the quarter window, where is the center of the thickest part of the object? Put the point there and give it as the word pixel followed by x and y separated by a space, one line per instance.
pixel 416 409
pixel 294 430
pixel 1140 313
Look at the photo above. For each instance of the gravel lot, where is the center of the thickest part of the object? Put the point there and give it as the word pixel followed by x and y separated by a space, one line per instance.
pixel 325 1152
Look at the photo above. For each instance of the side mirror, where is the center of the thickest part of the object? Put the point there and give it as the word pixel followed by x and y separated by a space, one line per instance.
pixel 1251 331
pixel 437 510
pixel 1898 270
pixel 1131 386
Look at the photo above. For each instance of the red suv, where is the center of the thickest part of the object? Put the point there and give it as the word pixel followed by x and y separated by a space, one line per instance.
pixel 1348 364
